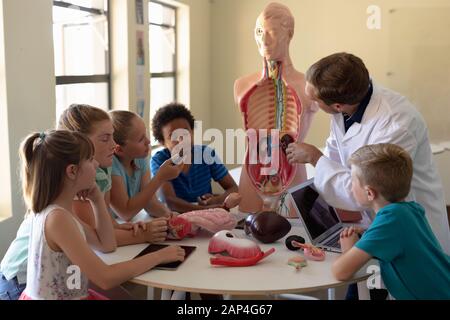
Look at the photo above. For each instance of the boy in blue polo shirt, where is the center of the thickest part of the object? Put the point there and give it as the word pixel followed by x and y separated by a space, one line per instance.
pixel 412 262
pixel 191 190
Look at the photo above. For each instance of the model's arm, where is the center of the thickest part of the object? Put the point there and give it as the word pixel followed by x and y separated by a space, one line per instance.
pixel 310 109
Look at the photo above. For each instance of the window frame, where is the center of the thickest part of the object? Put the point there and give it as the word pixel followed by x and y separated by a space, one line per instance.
pixel 96 78
pixel 171 74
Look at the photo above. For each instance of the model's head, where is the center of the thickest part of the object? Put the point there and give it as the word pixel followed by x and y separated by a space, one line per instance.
pixel 273 31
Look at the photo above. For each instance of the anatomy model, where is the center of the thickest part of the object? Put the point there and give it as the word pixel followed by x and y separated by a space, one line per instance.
pixel 272 108
pixel 310 252
pixel 232 251
pixel 276 113
pixel 212 220
pixel 267 227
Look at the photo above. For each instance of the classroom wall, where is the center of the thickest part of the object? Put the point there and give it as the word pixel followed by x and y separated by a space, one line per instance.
pixel 27 85
pixel 200 59
pixel 322 27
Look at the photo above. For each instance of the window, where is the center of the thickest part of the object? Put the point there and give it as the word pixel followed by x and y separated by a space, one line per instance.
pixel 82 55
pixel 163 55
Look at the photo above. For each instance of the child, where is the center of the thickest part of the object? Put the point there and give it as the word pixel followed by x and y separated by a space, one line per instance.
pixel 194 182
pixel 13 268
pixel 412 262
pixel 132 189
pixel 97 125
pixel 56 167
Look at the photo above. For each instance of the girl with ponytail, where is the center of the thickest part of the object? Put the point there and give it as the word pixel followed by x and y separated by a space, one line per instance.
pixel 56 167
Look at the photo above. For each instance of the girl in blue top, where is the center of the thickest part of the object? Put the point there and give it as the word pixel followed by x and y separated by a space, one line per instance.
pixel 132 189
pixel 412 262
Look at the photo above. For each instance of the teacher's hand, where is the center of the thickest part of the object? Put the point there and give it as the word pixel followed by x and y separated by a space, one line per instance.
pixel 303 153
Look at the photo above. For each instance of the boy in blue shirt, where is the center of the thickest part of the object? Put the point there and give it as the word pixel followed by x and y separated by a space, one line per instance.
pixel 412 262
pixel 193 185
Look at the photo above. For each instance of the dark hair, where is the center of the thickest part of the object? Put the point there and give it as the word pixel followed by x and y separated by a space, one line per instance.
pixel 339 78
pixel 81 118
pixel 44 158
pixel 122 125
pixel 167 114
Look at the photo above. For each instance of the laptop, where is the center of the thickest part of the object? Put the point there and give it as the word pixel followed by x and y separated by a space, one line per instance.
pixel 321 221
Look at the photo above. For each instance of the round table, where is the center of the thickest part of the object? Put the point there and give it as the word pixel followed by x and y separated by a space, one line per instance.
pixel 271 276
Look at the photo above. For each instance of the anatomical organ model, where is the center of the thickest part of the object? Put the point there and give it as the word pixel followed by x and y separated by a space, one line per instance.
pixel 272 108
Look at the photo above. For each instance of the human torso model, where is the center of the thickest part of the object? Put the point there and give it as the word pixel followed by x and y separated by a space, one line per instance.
pixel 273 99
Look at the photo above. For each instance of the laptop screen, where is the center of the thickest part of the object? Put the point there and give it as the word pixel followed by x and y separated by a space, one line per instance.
pixel 317 215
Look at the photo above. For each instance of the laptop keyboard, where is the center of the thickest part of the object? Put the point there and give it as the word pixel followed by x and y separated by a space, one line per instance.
pixel 333 242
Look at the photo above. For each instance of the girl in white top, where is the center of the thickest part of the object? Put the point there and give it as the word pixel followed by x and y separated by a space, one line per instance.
pixel 56 167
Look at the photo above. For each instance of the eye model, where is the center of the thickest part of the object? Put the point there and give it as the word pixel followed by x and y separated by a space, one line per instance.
pixel 259 32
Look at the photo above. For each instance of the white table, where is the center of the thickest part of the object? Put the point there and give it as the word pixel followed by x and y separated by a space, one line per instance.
pixel 271 276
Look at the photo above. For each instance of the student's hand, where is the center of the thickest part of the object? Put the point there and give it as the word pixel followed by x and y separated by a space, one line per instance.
pixel 94 194
pixel 209 199
pixel 170 254
pixel 169 171
pixel 173 214
pixel 132 226
pixel 303 153
pixel 348 239
pixel 359 230
pixel 353 229
pixel 156 230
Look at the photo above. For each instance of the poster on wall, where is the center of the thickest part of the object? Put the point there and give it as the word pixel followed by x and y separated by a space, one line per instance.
pixel 141 108
pixel 140 78
pixel 140 48
pixel 140 73
pixel 139 12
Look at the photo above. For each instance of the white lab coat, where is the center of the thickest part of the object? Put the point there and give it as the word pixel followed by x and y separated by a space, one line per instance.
pixel 389 118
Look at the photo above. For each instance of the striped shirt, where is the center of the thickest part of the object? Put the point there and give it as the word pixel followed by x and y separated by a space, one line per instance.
pixel 197 181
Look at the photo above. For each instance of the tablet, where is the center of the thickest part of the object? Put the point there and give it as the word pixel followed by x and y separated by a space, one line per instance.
pixel 166 266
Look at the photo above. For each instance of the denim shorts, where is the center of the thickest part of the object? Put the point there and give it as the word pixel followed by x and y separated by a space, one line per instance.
pixel 10 290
